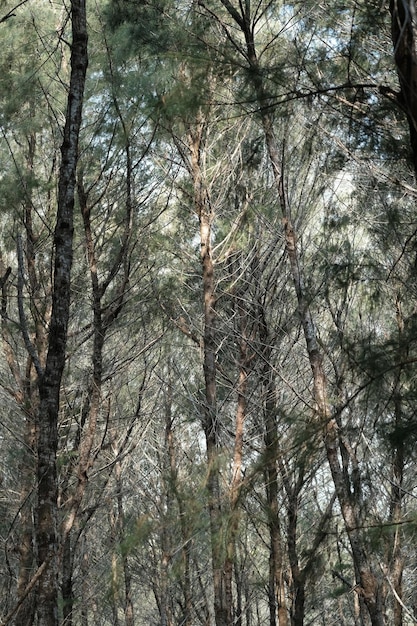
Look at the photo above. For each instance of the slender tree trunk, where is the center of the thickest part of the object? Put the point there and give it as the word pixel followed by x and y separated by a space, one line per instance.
pixel 174 496
pixel 104 317
pixel 297 575
pixel 404 37
pixel 236 481
pixel 277 600
pixel 85 588
pixel 28 396
pixel 114 593
pixel 117 525
pixel 370 586
pixel 50 380
pixel 395 561
pixel 67 584
pixel 277 595
pixel 222 610
pixel 239 598
pixel 26 613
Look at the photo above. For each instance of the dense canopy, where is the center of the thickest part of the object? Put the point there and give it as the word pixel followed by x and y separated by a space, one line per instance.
pixel 208 255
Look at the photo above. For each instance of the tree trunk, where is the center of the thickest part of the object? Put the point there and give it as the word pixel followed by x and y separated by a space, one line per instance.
pixel 395 561
pixel 297 575
pixel 236 481
pixel 67 582
pixel 50 380
pixel 404 37
pixel 27 396
pixel 277 596
pixel 26 613
pixel 174 495
pixel 222 609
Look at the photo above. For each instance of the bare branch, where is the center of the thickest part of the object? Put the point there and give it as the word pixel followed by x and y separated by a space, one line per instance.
pixel 12 13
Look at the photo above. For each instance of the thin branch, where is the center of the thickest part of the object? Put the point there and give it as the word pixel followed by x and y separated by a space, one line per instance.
pixel 12 13
pixel 25 594
pixel 397 597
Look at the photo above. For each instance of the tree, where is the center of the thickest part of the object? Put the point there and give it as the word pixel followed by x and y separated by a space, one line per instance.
pixel 50 377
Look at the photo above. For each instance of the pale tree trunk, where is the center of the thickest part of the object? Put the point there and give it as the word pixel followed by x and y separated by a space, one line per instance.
pixel 127 578
pixel 114 585
pixel 222 610
pixel 236 481
pixel 85 587
pixel 26 613
pixel 50 380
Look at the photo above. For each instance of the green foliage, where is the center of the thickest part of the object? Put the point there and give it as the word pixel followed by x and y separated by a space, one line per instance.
pixel 137 534
pixel 158 70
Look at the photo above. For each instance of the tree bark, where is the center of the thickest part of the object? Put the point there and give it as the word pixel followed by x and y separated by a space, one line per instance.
pixel 50 381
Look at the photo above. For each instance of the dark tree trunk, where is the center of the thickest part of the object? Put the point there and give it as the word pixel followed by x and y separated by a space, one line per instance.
pixel 67 583
pixel 50 380
pixel 404 37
